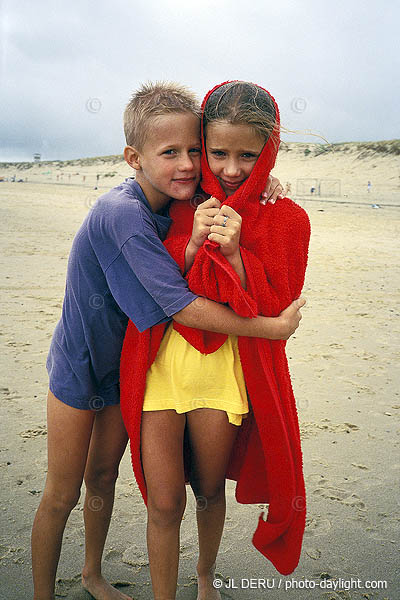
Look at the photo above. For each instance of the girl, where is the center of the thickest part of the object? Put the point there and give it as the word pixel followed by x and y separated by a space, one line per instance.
pixel 219 406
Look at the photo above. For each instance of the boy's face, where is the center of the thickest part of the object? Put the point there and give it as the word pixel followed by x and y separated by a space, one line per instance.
pixel 168 166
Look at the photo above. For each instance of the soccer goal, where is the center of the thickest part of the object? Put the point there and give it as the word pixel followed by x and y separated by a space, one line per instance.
pixel 318 187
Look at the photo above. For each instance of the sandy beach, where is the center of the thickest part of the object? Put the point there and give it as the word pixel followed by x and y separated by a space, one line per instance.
pixel 343 361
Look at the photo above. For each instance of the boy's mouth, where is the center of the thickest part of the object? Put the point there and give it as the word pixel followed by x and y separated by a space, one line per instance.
pixel 184 180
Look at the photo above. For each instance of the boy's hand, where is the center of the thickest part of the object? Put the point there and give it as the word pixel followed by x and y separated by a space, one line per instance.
pixel 226 231
pixel 203 219
pixel 290 318
pixel 273 191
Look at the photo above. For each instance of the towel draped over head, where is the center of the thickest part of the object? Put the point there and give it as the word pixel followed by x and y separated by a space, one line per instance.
pixel 266 460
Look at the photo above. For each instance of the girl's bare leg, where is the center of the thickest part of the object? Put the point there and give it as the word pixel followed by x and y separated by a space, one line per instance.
pixel 68 436
pixel 107 445
pixel 162 458
pixel 211 439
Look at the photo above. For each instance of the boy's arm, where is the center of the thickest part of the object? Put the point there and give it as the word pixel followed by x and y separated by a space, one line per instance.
pixel 144 261
pixel 190 255
pixel 211 316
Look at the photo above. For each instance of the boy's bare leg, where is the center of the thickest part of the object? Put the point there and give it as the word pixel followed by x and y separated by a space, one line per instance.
pixel 107 446
pixel 162 457
pixel 68 436
pixel 211 439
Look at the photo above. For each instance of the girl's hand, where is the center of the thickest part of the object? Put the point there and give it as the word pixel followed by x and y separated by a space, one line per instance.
pixel 273 191
pixel 202 221
pixel 226 231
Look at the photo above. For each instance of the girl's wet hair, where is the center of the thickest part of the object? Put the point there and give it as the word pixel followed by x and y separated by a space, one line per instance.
pixel 245 103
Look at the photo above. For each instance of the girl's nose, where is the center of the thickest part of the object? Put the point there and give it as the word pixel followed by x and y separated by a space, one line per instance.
pixel 231 168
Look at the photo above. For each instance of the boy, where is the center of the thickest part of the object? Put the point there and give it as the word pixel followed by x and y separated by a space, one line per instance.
pixel 119 269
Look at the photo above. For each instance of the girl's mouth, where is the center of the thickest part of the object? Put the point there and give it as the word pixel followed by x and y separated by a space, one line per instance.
pixel 231 185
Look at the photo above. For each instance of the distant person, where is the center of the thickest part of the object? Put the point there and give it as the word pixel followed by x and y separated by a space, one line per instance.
pixel 369 186
pixel 288 188
pixel 312 190
pixel 119 269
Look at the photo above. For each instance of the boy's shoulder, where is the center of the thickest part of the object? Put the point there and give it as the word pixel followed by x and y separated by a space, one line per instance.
pixel 125 196
pixel 124 206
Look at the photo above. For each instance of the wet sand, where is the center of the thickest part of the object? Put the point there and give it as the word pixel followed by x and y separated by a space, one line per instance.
pixel 344 363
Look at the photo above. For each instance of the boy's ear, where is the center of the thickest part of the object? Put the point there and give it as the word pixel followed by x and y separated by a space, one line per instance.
pixel 132 157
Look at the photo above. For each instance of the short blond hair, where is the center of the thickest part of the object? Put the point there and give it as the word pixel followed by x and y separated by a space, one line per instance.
pixel 153 100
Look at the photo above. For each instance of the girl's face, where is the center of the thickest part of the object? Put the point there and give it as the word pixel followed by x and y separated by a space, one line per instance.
pixel 232 152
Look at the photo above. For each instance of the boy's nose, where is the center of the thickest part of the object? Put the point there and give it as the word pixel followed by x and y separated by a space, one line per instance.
pixel 186 162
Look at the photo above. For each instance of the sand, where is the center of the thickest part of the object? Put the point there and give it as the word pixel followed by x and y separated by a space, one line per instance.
pixel 344 362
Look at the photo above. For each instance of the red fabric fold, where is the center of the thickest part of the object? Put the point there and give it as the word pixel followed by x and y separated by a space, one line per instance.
pixel 266 461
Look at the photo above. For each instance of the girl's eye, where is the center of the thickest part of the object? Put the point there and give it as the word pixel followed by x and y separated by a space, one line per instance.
pixel 195 150
pixel 249 155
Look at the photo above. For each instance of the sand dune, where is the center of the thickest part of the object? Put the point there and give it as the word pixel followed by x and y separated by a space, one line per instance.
pixel 341 170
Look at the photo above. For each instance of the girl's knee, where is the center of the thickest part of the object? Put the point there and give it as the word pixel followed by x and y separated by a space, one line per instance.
pixel 207 495
pixel 166 509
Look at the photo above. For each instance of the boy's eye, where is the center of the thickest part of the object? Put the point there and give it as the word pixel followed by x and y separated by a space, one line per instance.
pixel 169 152
pixel 218 153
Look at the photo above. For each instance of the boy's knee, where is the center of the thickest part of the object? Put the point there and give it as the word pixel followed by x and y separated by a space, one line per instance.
pixel 166 509
pixel 101 480
pixel 60 501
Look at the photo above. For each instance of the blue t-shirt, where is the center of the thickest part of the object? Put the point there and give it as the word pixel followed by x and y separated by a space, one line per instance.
pixel 118 268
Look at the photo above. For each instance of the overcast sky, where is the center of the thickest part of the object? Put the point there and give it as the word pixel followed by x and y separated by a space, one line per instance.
pixel 69 68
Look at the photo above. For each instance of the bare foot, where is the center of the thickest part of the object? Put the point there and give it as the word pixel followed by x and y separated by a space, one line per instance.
pixel 100 589
pixel 205 588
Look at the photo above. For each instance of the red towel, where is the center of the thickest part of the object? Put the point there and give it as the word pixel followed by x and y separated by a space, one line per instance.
pixel 266 461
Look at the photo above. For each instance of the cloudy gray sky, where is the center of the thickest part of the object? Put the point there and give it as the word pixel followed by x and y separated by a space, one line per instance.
pixel 69 68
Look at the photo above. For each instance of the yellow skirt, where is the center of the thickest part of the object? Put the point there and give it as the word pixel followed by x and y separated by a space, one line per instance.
pixel 183 379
